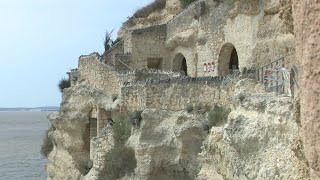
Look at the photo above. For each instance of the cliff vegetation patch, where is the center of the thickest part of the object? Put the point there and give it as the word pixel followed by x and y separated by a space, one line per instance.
pixel 217 115
pixel 47 145
pixel 63 83
pixel 185 3
pixel 135 118
pixel 120 160
pixel 121 129
pixel 144 12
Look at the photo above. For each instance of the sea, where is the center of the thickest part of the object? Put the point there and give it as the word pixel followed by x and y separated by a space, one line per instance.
pixel 21 135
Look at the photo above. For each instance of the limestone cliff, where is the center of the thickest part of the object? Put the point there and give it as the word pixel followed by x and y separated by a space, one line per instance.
pixel 219 45
pixel 260 139
pixel 159 16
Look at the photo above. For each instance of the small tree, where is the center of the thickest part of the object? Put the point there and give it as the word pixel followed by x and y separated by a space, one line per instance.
pixel 63 83
pixel 107 41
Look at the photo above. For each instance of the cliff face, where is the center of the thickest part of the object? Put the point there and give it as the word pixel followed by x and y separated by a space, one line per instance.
pixel 307 32
pixel 161 16
pixel 260 139
pixel 70 157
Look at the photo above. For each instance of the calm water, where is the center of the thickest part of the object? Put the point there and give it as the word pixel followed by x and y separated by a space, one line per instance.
pixel 20 140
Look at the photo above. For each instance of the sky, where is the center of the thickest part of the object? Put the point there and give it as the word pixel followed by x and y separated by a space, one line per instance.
pixel 40 40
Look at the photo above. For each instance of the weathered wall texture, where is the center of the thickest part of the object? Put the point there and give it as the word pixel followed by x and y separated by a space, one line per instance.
pixel 260 140
pixel 307 32
pixel 110 55
pixel 97 74
pixel 148 47
pixel 176 94
pixel 258 30
pixel 274 37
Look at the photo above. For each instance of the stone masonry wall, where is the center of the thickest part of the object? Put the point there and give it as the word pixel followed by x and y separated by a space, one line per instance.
pixel 260 31
pixel 98 75
pixel 149 43
pixel 110 55
pixel 177 93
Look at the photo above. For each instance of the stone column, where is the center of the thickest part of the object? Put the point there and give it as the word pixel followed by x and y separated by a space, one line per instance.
pixel 306 16
pixel 102 117
pixel 195 64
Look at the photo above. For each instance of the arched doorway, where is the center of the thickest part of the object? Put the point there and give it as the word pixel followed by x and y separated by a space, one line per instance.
pixel 180 64
pixel 228 62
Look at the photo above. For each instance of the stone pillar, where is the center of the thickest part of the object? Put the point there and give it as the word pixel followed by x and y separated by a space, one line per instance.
pixel 306 15
pixel 195 63
pixel 102 117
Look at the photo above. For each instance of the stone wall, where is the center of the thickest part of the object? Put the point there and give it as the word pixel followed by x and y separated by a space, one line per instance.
pixel 73 76
pixel 258 30
pixel 148 50
pixel 98 75
pixel 177 93
pixel 110 55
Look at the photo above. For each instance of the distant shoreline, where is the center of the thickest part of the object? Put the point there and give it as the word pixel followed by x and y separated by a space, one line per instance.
pixel 37 109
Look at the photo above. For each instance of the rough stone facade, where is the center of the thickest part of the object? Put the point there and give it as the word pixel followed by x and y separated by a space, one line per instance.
pixel 176 93
pixel 218 45
pixel 206 33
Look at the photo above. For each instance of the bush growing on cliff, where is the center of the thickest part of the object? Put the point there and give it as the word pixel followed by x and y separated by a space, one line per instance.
pixel 118 161
pixel 114 97
pixel 121 129
pixel 144 12
pixel 189 108
pixel 217 116
pixel 200 108
pixel 63 83
pixel 135 118
pixel 47 145
pixel 185 3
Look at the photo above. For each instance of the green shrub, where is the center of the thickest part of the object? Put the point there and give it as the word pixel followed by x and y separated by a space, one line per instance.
pixel 121 129
pixel 107 41
pixel 135 118
pixel 114 97
pixel 199 108
pixel 217 116
pixel 189 108
pixel 47 145
pixel 118 161
pixel 144 12
pixel 185 3
pixel 242 97
pixel 85 166
pixel 63 83
pixel 261 106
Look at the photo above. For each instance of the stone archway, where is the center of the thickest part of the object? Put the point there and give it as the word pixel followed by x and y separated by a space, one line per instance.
pixel 228 62
pixel 179 64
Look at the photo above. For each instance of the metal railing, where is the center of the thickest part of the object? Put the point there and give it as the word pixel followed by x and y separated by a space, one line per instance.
pixel 276 78
pixel 271 77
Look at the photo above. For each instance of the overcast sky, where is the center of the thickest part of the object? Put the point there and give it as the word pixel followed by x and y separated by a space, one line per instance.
pixel 40 40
